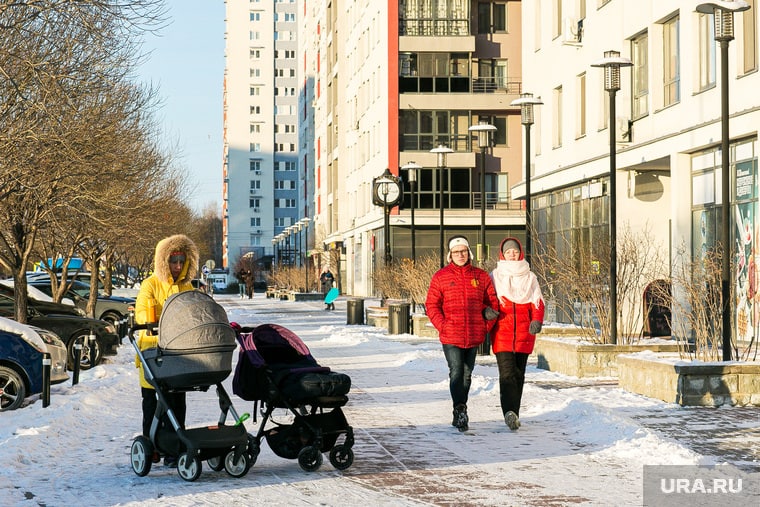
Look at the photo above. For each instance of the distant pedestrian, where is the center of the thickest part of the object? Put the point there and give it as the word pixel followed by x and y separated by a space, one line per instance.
pixel 461 303
pixel 327 281
pixel 521 316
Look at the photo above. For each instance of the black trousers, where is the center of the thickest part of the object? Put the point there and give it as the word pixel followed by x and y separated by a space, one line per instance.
pixel 176 401
pixel 511 379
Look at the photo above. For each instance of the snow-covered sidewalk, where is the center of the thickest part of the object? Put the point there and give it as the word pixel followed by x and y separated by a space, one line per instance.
pixel 581 443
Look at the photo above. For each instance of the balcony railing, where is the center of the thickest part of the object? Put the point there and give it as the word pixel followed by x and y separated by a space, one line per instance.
pixel 430 27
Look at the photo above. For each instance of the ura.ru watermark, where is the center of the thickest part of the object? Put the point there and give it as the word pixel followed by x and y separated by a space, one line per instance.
pixel 675 485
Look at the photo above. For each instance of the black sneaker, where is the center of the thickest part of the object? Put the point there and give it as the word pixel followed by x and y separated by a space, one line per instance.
pixel 460 417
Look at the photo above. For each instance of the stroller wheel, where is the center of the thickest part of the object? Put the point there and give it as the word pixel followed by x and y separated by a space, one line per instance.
pixel 341 457
pixel 141 455
pixel 238 469
pixel 189 468
pixel 254 448
pixel 310 458
pixel 216 463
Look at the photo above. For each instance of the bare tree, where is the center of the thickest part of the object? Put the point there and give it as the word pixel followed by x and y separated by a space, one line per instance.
pixel 575 277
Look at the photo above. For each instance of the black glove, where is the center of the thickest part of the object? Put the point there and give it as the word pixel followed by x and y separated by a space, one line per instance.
pixel 535 327
pixel 490 314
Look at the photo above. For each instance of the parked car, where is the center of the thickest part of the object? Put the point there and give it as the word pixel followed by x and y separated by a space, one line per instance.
pixel 70 327
pixel 21 349
pixel 34 292
pixel 112 309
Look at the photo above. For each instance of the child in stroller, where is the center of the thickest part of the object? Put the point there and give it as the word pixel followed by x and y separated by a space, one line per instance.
pixel 194 352
pixel 276 368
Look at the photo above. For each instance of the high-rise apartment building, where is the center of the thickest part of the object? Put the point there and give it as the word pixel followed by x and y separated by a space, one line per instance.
pixel 263 179
pixel 383 84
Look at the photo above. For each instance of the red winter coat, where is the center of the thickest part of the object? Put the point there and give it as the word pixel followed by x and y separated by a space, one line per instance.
pixel 455 302
pixel 510 334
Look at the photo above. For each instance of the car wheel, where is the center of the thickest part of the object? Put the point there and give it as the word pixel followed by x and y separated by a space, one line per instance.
pixel 91 353
pixel 12 389
pixel 112 318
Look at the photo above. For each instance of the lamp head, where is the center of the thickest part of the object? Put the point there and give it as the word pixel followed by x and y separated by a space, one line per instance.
pixel 611 63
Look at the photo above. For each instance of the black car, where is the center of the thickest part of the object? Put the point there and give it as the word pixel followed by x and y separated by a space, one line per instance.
pixel 113 309
pixel 69 326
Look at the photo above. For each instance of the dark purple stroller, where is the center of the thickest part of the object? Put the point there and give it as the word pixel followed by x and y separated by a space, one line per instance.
pixel 276 368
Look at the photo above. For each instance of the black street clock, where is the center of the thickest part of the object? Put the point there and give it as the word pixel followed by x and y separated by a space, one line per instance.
pixel 386 190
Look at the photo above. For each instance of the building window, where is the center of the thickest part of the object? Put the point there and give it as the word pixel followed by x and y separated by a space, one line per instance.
pixel 671 62
pixel 255 128
pixel 424 130
pixel 556 18
pixel 255 164
pixel 492 17
pixel 580 126
pixel 254 203
pixel 640 76
pixel 255 184
pixel 557 123
pixel 749 38
pixel 254 110
pixel 434 73
pixel 256 222
pixel 500 134
pixel 435 18
pixel 706 51
pixel 255 147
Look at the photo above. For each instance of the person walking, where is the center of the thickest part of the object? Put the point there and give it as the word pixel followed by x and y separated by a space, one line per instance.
pixel 175 264
pixel 521 316
pixel 461 303
pixel 327 279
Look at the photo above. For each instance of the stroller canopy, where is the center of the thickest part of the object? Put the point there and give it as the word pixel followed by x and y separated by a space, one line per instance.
pixel 273 344
pixel 193 320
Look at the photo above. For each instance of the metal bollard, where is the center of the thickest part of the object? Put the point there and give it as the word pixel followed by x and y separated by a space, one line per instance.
pixel 46 366
pixel 77 363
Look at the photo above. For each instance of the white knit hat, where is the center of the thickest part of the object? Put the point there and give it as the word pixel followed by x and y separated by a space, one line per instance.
pixel 458 241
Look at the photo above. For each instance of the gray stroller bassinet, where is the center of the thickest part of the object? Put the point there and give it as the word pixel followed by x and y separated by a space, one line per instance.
pixel 196 343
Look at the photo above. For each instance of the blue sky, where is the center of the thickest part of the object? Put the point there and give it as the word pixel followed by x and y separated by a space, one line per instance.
pixel 186 63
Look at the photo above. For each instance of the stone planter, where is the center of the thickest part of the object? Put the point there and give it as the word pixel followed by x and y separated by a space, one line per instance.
pixel 583 359
pixel 421 326
pixel 669 379
pixel 377 316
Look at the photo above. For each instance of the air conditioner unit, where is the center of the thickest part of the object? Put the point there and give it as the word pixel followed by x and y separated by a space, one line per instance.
pixel 572 31
pixel 257 173
pixel 256 210
pixel 257 231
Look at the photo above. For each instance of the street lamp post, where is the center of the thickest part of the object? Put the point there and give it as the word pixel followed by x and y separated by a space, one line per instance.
pixel 611 63
pixel 274 253
pixel 526 103
pixel 305 221
pixel 441 151
pixel 723 13
pixel 483 130
pixel 411 168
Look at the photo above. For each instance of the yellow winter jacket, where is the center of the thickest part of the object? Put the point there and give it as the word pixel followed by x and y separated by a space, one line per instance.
pixel 160 285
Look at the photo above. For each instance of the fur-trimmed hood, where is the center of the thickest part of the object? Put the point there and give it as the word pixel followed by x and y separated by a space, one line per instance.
pixel 176 243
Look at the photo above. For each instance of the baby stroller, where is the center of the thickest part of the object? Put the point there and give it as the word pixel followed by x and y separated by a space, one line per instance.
pixel 276 368
pixel 195 348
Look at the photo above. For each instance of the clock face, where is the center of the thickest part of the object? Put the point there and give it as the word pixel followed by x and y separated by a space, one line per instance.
pixel 389 192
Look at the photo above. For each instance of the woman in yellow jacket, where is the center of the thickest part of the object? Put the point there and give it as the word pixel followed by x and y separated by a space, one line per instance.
pixel 174 266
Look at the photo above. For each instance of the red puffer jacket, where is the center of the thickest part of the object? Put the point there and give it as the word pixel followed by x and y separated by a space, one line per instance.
pixel 511 330
pixel 455 302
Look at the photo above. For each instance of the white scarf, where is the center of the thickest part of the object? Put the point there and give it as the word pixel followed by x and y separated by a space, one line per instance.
pixel 515 281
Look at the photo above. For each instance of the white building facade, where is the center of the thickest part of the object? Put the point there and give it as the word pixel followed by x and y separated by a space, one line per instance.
pixel 668 124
